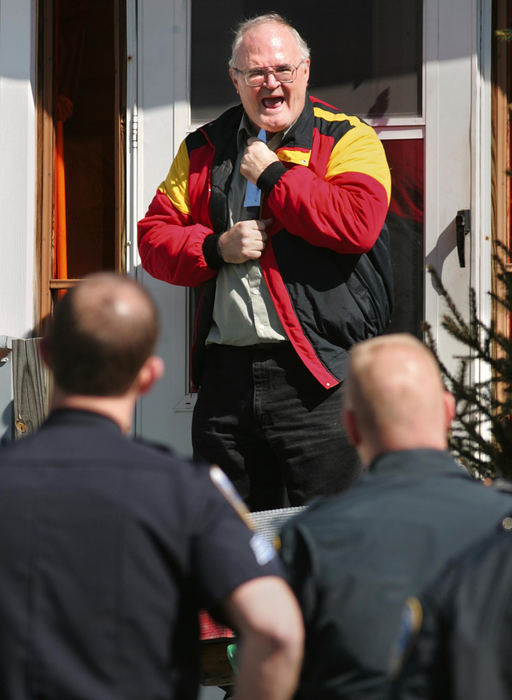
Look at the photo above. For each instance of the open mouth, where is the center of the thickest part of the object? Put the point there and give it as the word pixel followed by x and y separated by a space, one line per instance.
pixel 272 102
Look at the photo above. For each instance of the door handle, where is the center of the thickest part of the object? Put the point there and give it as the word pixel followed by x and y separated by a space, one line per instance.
pixel 462 228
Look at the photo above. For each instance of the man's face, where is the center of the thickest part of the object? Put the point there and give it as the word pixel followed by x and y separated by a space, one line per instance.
pixel 272 106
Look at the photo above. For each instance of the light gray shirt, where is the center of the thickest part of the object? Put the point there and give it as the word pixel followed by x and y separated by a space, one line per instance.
pixel 243 312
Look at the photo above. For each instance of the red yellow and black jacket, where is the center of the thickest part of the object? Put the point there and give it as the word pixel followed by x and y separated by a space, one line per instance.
pixel 326 263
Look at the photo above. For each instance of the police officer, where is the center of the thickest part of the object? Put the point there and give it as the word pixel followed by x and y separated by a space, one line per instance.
pixel 109 546
pixel 354 558
pixel 464 627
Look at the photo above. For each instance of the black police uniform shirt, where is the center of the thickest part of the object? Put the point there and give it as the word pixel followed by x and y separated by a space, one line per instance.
pixel 456 640
pixel 354 558
pixel 108 547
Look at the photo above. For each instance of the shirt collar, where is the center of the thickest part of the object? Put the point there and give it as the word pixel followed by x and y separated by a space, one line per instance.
pixel 246 130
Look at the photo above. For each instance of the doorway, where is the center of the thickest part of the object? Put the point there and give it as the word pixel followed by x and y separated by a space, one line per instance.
pixel 415 71
pixel 81 107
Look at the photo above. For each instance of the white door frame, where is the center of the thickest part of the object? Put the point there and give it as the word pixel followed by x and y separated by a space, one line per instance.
pixel 457 156
pixel 157 45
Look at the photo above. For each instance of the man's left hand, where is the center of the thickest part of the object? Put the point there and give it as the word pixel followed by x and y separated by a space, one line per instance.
pixel 256 158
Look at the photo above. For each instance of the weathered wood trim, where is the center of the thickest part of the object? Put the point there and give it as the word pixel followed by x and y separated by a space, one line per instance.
pixel 119 133
pixel 30 386
pixel 45 148
pixel 501 158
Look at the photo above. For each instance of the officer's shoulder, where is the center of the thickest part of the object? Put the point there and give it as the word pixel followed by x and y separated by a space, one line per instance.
pixel 160 456
pixel 501 485
pixel 322 511
pixel 473 573
pixel 159 447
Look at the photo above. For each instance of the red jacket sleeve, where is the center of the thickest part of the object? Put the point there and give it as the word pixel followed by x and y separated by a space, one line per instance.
pixel 170 239
pixel 171 245
pixel 345 208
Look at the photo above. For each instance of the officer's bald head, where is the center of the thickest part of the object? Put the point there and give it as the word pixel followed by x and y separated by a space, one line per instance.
pixel 395 396
pixel 103 331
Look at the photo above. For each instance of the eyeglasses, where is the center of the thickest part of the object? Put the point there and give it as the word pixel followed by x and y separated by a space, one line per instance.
pixel 255 77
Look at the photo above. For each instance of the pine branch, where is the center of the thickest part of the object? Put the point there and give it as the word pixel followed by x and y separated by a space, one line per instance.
pixel 481 436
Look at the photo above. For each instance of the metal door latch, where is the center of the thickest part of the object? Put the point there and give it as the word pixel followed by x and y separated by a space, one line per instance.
pixel 462 228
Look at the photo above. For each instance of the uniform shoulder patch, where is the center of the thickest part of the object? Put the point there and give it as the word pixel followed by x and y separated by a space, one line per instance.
pixel 263 550
pixel 410 624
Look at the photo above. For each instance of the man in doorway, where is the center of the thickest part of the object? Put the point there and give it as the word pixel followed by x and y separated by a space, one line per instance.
pixel 110 546
pixel 354 558
pixel 289 283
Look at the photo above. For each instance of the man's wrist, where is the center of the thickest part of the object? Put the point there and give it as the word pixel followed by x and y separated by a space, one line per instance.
pixel 219 247
pixel 211 251
pixel 270 176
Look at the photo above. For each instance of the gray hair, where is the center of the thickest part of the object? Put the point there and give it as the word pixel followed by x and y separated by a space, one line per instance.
pixel 272 17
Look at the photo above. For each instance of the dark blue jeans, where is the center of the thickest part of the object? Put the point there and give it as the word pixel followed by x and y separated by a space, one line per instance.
pixel 276 432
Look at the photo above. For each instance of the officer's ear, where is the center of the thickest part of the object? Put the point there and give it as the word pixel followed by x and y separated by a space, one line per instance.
pixel 352 427
pixel 149 374
pixel 450 408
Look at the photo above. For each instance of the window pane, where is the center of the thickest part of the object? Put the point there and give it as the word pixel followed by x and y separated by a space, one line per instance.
pixel 84 75
pixel 366 54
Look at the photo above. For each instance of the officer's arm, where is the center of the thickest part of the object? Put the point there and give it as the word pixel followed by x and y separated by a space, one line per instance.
pixel 266 615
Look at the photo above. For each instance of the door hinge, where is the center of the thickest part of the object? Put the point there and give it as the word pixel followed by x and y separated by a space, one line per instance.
pixel 135 131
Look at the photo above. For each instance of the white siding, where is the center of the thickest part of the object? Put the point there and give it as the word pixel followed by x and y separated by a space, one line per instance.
pixel 18 160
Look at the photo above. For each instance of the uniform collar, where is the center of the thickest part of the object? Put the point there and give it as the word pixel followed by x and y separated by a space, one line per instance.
pixel 77 417
pixel 421 462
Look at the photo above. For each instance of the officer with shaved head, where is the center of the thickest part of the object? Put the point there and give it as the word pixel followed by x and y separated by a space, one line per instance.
pixel 354 558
